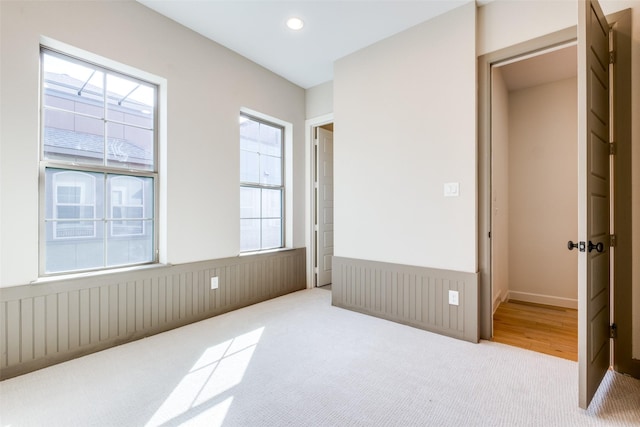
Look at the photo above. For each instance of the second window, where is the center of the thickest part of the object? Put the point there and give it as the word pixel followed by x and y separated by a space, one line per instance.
pixel 261 185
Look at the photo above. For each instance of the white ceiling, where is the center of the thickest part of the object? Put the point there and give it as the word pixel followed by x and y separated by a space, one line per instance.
pixel 333 29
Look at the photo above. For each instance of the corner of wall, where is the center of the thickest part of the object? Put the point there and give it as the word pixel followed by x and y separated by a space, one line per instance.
pixel 319 100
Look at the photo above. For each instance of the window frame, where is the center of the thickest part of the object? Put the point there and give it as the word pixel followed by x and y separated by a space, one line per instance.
pixel 107 168
pixel 282 187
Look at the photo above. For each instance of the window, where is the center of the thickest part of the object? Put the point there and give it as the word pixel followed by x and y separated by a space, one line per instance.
pixel 261 185
pixel 98 167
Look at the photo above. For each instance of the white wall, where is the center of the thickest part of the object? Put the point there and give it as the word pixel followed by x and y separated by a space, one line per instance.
pixel 405 113
pixel 319 100
pixel 206 87
pixel 499 188
pixel 503 23
pixel 543 188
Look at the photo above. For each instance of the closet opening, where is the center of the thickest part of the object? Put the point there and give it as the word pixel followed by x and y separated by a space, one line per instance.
pixel 534 201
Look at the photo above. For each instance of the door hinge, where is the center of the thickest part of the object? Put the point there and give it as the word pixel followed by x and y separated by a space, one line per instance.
pixel 613 331
pixel 489 234
pixel 612 148
pixel 612 57
pixel 613 240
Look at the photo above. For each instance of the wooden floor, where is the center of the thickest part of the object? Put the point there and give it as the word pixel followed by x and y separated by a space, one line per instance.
pixel 542 328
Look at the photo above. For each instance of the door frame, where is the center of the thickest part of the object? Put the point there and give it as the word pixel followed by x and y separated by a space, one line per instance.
pixel 621 301
pixel 485 62
pixel 310 203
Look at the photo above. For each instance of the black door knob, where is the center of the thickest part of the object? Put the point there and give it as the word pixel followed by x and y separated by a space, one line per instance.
pixel 599 247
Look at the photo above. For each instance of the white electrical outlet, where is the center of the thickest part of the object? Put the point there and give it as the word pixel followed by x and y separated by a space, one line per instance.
pixel 214 282
pixel 453 298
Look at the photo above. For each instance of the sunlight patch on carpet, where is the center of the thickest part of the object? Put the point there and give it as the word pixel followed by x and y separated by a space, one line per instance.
pixel 218 370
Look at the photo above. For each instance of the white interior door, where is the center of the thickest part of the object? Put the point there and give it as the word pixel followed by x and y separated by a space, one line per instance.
pixel 593 199
pixel 324 206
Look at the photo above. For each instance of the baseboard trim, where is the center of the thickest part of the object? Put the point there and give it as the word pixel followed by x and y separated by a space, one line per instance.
pixel 498 300
pixel 543 299
pixel 415 296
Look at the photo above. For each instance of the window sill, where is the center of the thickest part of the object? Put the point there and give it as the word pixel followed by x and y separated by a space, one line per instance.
pixel 88 274
pixel 266 251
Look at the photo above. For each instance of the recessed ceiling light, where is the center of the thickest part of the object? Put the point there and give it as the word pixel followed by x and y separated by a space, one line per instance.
pixel 295 23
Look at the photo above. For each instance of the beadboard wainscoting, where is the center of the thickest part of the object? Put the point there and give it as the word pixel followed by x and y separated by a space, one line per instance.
pixel 50 322
pixel 414 296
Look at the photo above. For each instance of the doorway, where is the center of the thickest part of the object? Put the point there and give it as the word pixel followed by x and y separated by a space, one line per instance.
pixel 534 189
pixel 322 205
pixel 595 326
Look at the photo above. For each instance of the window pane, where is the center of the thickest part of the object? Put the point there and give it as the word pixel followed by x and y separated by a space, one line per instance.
pixel 249 134
pixel 139 107
pixel 270 140
pixel 73 194
pixel 271 203
pixel 129 147
pixel 74 212
pixel 74 229
pixel 130 198
pixel 129 101
pixel 271 170
pixel 271 233
pixel 127 228
pixel 70 137
pixel 64 78
pixel 77 246
pixel 94 110
pixel 58 103
pixel 128 212
pixel 249 235
pixel 249 167
pixel 127 189
pixel 68 194
pixel 249 202
pixel 130 242
pixel 89 126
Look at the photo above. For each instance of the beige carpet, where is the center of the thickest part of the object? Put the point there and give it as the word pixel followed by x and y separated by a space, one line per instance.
pixel 298 361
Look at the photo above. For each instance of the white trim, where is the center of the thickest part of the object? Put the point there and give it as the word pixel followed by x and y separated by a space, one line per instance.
pixel 288 172
pixel 535 53
pixel 310 160
pixel 90 57
pixel 161 118
pixel 159 146
pixel 498 300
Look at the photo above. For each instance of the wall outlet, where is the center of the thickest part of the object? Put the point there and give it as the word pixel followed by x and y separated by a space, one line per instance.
pixel 214 282
pixel 453 298
pixel 451 189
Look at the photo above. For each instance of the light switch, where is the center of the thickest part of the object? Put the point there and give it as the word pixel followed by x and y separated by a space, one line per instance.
pixel 451 189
